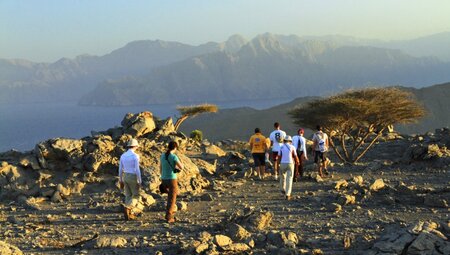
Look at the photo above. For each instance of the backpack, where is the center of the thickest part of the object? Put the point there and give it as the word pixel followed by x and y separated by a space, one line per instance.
pixel 321 143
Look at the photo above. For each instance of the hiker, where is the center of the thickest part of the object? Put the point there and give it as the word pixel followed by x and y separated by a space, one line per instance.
pixel 276 139
pixel 130 179
pixel 170 165
pixel 287 158
pixel 258 146
pixel 299 143
pixel 320 148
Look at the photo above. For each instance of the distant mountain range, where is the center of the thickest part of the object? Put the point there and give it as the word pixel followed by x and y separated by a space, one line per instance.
pixel 268 66
pixel 239 123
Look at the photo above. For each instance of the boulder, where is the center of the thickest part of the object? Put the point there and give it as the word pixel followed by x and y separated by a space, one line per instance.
pixel 358 180
pixel 340 184
pixel 377 185
pixel 237 232
pixel 222 240
pixel 212 152
pixel 139 124
pixel 347 199
pixel 8 249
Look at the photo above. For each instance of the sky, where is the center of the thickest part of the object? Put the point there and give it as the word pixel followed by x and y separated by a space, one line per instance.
pixel 47 30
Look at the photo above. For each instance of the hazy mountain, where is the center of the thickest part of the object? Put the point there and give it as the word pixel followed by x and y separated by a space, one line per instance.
pixel 270 67
pixel 68 79
pixel 239 123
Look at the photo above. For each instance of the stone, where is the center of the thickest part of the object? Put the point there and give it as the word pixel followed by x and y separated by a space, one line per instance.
pixel 63 191
pixel 237 232
pixel 340 184
pixel 56 198
pixel 237 247
pixel 347 199
pixel 30 161
pixel 276 238
pixel 377 185
pixel 318 178
pixel 205 236
pixel 182 206
pixel 222 240
pixel 110 242
pixel 358 180
pixel 147 199
pixel 259 220
pixel 139 124
pixel 212 152
pixel 427 243
pixel 201 248
pixel 317 252
pixel 8 249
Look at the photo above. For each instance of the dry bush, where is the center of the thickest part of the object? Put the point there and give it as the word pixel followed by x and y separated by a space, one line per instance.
pixel 192 111
pixel 352 117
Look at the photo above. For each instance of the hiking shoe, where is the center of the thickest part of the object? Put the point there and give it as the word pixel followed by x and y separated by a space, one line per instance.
pixel 276 177
pixel 288 197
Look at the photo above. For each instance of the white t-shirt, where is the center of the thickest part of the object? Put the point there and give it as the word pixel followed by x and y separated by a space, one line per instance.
pixel 286 152
pixel 317 137
pixel 295 142
pixel 275 136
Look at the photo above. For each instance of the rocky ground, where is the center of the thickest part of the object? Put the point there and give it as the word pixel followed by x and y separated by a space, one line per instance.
pixel 63 198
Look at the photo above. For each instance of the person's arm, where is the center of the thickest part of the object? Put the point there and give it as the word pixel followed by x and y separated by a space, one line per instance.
pixel 294 156
pixel 271 140
pixel 120 174
pixel 137 170
pixel 304 147
pixel 178 163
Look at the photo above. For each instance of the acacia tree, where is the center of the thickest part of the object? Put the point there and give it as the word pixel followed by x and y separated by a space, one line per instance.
pixel 351 118
pixel 192 111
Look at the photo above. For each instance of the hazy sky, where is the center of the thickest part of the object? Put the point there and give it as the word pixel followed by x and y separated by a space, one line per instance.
pixel 46 30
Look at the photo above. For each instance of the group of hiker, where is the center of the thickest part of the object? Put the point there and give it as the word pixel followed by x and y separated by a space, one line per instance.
pixel 288 155
pixel 130 179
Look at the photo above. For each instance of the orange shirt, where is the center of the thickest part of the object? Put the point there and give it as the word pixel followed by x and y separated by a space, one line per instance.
pixel 258 143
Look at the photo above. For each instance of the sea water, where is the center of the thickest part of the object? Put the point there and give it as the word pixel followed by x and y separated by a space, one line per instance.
pixel 24 125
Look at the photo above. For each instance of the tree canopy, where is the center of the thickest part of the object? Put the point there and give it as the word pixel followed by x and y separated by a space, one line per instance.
pixel 350 118
pixel 192 111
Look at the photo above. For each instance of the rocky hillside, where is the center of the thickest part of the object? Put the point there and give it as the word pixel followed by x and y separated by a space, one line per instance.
pixel 63 198
pixel 239 123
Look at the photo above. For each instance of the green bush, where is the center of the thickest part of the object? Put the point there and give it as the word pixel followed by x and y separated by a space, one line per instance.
pixel 197 135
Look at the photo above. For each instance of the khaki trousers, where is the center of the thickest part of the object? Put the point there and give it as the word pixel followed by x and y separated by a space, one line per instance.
pixel 171 187
pixel 286 177
pixel 131 190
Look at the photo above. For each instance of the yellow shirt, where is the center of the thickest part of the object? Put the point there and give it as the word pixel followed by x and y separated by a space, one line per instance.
pixel 258 143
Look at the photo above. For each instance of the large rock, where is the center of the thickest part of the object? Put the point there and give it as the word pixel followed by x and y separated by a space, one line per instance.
pixel 237 232
pixel 110 242
pixel 377 185
pixel 8 249
pixel 212 152
pixel 138 124
pixel 222 240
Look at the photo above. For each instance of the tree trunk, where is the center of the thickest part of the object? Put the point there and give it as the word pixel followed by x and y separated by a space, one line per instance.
pixel 179 121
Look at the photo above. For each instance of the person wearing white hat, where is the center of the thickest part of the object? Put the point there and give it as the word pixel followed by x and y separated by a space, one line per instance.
pixel 287 156
pixel 130 178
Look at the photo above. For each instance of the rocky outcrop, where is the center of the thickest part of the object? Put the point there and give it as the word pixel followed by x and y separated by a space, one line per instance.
pixel 420 238
pixel 59 167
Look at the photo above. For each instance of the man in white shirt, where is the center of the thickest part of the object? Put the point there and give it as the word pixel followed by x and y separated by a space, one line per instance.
pixel 320 148
pixel 287 158
pixel 276 139
pixel 130 178
pixel 299 143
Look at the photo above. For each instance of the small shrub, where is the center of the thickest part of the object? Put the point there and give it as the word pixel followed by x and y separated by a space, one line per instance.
pixel 197 135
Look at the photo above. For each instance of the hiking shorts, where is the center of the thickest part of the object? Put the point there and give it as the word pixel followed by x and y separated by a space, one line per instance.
pixel 320 155
pixel 274 156
pixel 259 158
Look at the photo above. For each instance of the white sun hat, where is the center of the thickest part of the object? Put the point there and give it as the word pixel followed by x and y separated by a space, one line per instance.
pixel 133 143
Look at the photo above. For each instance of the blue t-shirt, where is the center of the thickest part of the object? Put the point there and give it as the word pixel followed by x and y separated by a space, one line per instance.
pixel 167 170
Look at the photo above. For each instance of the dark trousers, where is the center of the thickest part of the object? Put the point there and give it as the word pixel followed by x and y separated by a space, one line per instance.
pixel 299 167
pixel 171 188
